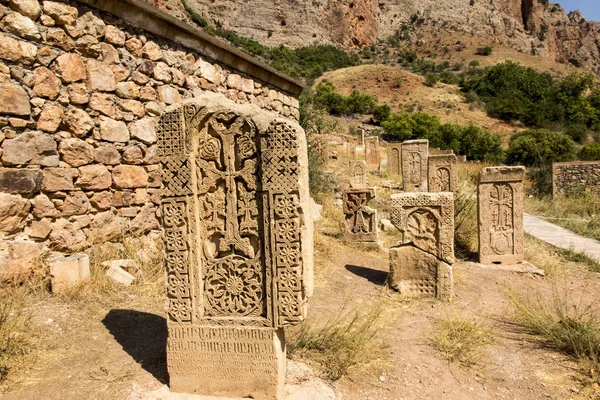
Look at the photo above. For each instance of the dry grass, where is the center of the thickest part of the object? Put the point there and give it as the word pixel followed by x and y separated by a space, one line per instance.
pixel 16 332
pixel 556 262
pixel 346 342
pixel 465 225
pixel 578 213
pixel 460 339
pixel 563 323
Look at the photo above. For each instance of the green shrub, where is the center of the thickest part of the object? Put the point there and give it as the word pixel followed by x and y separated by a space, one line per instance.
pixel 577 132
pixel 484 51
pixel 590 152
pixel 474 64
pixel 537 147
pixel 431 79
pixel 381 113
pixel 337 104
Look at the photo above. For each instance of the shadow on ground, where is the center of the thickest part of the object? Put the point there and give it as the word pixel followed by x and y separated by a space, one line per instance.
pixel 143 336
pixel 372 275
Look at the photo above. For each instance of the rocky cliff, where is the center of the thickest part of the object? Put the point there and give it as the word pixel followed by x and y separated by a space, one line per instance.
pixel 532 26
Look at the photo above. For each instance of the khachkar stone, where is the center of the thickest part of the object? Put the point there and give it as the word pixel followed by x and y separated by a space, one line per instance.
pixel 358 174
pixel 443 173
pixel 360 220
pixel 422 264
pixel 372 153
pixel 500 211
pixel 238 244
pixel 414 165
pixel 394 163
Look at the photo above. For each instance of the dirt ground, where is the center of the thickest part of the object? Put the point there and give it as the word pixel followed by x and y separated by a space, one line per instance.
pixel 111 345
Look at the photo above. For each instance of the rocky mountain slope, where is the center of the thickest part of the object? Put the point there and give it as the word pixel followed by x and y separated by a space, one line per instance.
pixel 531 26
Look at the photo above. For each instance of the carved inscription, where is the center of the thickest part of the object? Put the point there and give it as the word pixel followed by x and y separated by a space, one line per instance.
pixel 360 220
pixel 426 220
pixel 414 165
pixel 443 173
pixel 500 195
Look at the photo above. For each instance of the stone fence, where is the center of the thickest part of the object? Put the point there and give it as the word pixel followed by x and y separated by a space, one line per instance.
pixel 575 176
pixel 82 84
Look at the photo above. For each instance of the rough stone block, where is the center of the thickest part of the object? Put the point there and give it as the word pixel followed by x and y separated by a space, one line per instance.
pixel 68 271
pixel 18 258
pixel 121 276
pixel 14 100
pixel 24 181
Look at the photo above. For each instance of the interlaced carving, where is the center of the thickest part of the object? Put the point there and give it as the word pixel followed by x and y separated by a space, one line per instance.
pixel 427 220
pixel 176 176
pixel 171 139
pixel 360 220
pixel 443 174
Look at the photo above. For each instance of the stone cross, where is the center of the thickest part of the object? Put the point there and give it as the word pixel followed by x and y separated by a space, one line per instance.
pixel 238 241
pixel 414 165
pixel 360 222
pixel 358 174
pixel 443 173
pixel 500 215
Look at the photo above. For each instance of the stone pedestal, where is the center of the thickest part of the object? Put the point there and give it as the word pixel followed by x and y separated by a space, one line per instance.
pixel 415 154
pixel 227 361
pixel 500 215
pixel 415 273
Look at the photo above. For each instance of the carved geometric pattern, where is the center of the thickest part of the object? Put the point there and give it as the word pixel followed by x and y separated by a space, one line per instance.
pixel 280 166
pixel 174 220
pixel 360 222
pixel 176 176
pixel 426 220
pixel 171 138
pixel 500 198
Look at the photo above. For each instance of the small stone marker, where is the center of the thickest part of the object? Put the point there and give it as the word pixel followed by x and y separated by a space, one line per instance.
pixel 360 221
pixel 119 275
pixel 358 174
pixel 443 173
pixel 394 164
pixel 414 165
pixel 372 153
pixel 68 271
pixel 500 212
pixel 421 265
pixel 237 223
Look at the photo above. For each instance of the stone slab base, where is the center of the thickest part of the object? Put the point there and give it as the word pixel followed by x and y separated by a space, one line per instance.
pixel 523 268
pixel 226 361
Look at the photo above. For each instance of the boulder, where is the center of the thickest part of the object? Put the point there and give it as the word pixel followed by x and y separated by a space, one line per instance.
pixel 57 37
pixel 17 50
pixel 114 36
pixel 78 121
pixel 66 236
pixel 34 148
pixel 13 213
pixel 145 221
pixel 40 229
pixel 106 226
pixel 29 8
pixel 151 51
pixel 50 118
pixel 78 93
pixel 113 131
pixel 58 179
pixel 20 25
pixel 107 154
pixel 168 94
pixel 43 207
pixel 104 103
pixel 76 152
pixel 76 203
pixel 70 68
pixel 94 177
pixel 130 177
pixel 61 13
pixel 133 155
pixel 89 24
pixel 19 180
pixel 144 130
pixel 18 258
pixel 46 84
pixel 14 100
pixel 100 76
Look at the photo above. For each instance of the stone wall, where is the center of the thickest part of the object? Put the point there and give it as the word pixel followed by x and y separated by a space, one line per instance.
pixel 575 176
pixel 81 89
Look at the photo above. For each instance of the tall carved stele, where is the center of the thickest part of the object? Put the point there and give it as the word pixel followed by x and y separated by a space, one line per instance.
pixel 443 173
pixel 372 153
pixel 360 220
pixel 394 163
pixel 358 173
pixel 414 165
pixel 238 245
pixel 500 211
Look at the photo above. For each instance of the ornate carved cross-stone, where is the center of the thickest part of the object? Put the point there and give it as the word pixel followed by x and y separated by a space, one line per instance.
pixel 443 173
pixel 414 165
pixel 237 237
pixel 500 198
pixel 360 223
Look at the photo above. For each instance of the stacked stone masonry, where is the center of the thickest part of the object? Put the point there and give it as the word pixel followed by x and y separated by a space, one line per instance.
pixel 80 94
pixel 576 176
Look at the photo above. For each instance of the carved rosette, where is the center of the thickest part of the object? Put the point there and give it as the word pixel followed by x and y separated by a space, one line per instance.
pixel 426 220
